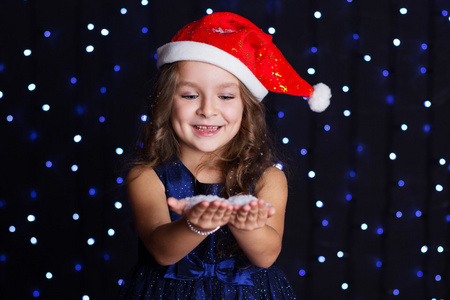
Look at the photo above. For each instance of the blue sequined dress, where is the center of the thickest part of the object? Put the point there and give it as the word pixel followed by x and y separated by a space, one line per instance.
pixel 213 270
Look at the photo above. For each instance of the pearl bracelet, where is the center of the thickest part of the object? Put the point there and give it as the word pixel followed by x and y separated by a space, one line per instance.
pixel 201 232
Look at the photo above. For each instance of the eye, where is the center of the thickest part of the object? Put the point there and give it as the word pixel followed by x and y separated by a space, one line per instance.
pixel 189 97
pixel 226 97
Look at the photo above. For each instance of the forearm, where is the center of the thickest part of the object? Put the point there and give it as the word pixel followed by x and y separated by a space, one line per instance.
pixel 261 246
pixel 168 243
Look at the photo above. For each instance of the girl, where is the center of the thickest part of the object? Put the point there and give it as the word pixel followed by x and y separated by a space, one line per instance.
pixel 206 135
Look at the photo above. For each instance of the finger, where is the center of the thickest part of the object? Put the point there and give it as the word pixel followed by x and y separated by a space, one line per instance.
pixel 211 211
pixel 262 213
pixel 262 216
pixel 262 203
pixel 222 214
pixel 271 211
pixel 175 205
pixel 229 210
pixel 241 215
pixel 254 212
pixel 198 210
pixel 220 211
pixel 227 216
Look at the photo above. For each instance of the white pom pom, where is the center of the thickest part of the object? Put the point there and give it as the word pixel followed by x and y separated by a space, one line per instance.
pixel 320 99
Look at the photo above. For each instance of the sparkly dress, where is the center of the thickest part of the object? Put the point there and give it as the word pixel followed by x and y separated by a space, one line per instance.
pixel 213 270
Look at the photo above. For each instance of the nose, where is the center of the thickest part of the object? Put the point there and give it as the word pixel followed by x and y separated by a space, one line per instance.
pixel 207 107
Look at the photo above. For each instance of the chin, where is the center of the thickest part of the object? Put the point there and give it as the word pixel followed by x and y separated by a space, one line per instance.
pixel 209 150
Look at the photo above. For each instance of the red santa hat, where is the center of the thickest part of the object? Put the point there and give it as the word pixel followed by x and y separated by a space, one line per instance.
pixel 235 44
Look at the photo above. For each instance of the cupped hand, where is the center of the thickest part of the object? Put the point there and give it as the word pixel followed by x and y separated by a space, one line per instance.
pixel 204 215
pixel 251 216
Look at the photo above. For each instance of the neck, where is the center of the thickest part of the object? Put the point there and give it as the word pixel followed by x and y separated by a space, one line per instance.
pixel 202 167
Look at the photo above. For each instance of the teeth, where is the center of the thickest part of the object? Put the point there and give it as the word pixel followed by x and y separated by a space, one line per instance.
pixel 211 128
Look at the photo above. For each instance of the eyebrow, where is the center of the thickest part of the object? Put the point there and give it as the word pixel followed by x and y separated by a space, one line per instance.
pixel 192 84
pixel 186 83
pixel 228 84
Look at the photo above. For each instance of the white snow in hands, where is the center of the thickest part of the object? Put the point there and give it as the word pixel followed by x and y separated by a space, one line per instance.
pixel 238 199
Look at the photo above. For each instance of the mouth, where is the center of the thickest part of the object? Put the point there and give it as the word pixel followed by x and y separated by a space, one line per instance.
pixel 204 128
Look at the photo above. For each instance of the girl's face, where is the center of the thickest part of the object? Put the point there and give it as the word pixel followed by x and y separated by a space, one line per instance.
pixel 207 107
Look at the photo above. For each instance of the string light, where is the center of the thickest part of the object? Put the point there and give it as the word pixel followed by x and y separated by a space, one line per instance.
pixel 90 49
pixel 60 126
pixel 31 87
pixel 77 138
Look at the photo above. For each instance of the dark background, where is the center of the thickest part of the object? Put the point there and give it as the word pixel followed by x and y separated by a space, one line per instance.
pixel 379 210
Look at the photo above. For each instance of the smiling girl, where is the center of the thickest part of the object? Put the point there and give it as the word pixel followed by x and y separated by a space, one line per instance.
pixel 206 135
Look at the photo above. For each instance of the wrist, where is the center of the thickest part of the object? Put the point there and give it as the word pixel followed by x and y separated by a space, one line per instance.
pixel 201 232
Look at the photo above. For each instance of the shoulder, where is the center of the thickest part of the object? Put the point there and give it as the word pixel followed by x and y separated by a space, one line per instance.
pixel 272 178
pixel 273 173
pixel 138 171
pixel 144 176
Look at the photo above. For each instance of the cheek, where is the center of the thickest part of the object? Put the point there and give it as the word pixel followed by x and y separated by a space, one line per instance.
pixel 235 118
pixel 176 115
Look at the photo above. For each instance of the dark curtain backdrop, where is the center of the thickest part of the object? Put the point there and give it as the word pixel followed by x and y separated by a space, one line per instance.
pixel 368 214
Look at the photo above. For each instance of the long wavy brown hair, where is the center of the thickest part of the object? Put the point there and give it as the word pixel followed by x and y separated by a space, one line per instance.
pixel 242 160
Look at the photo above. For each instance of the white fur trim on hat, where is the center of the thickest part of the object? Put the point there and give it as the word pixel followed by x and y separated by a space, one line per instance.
pixel 195 51
pixel 320 99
